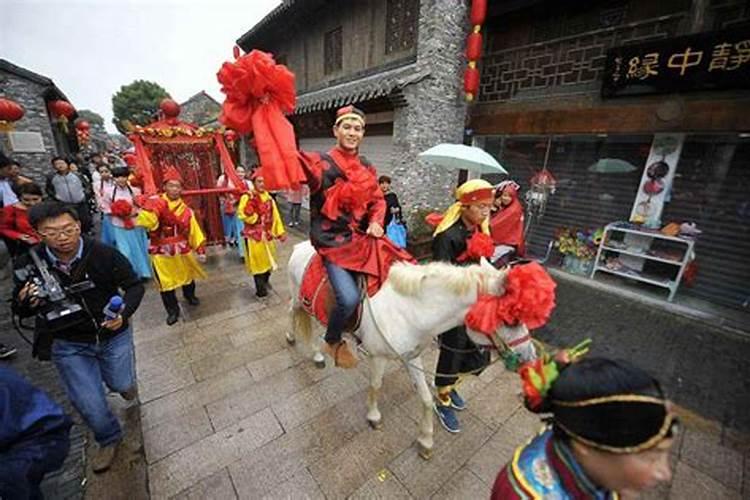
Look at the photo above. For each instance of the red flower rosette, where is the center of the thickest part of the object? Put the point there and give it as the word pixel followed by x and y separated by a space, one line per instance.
pixel 350 195
pixel 529 299
pixel 479 245
pixel 434 219
pixel 124 210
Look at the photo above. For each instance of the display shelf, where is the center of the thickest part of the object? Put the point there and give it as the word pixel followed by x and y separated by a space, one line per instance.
pixel 644 255
pixel 650 236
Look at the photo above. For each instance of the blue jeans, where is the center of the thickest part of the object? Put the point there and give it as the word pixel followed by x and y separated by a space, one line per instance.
pixel 346 291
pixel 84 366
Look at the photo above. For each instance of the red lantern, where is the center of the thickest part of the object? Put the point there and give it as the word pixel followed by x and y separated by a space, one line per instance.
pixel 474 46
pixel 170 108
pixel 62 109
pixel 82 125
pixel 478 12
pixel 10 111
pixel 471 81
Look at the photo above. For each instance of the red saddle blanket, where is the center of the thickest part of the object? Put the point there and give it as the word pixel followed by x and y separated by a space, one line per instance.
pixel 370 257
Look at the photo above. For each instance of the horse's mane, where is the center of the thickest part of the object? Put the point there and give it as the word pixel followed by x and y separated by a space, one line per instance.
pixel 407 279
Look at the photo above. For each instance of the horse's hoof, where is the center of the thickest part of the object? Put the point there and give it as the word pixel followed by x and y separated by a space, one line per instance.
pixel 375 424
pixel 424 453
pixel 320 364
pixel 290 339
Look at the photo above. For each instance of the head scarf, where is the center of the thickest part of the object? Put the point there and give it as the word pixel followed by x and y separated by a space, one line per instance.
pixel 349 112
pixel 468 193
pixel 506 225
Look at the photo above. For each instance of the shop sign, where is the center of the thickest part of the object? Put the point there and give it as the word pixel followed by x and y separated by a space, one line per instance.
pixel 706 61
pixel 26 142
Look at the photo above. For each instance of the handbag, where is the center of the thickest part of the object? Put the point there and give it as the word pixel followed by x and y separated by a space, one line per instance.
pixel 396 232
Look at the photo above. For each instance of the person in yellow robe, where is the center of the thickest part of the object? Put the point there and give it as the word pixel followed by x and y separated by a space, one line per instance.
pixel 175 238
pixel 262 225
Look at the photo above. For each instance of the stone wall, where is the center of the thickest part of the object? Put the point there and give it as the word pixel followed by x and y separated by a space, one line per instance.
pixel 29 95
pixel 200 110
pixel 435 110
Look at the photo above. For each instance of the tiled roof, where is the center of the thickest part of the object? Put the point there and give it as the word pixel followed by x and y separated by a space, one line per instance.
pixel 363 89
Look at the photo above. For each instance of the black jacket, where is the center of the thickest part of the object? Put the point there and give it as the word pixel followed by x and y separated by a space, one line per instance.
pixel 111 274
pixel 451 243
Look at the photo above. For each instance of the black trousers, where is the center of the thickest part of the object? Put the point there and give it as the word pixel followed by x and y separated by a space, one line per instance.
pixel 169 299
pixel 261 282
pixel 451 363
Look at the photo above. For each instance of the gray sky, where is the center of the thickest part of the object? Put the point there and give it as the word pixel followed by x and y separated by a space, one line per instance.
pixel 90 48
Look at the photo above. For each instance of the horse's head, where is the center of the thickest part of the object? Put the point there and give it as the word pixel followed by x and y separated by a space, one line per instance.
pixel 509 303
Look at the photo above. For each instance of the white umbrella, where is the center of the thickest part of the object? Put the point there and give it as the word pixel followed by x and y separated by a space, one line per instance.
pixel 612 166
pixel 464 157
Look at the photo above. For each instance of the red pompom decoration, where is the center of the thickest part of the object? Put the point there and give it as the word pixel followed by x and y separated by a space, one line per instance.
pixel 124 210
pixel 471 81
pixel 170 108
pixel 474 46
pixel 479 245
pixel 478 12
pixel 529 299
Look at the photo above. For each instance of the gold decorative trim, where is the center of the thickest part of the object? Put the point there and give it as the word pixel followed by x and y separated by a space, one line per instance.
pixel 617 398
pixel 649 443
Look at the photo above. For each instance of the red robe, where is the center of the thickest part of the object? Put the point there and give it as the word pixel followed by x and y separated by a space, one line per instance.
pixel 506 225
pixel 14 223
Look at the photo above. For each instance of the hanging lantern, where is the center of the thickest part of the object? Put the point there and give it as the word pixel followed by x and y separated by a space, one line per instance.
pixel 10 111
pixel 477 15
pixel 236 52
pixel 474 46
pixel 478 12
pixel 82 125
pixel 62 111
pixel 170 108
pixel 83 136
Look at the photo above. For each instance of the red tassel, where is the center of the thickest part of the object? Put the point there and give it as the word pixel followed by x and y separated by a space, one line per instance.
pixel 471 81
pixel 474 46
pixel 478 12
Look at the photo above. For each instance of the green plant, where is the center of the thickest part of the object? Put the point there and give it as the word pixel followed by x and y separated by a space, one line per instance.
pixel 136 104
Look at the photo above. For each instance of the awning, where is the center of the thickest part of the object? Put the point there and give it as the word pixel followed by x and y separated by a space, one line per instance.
pixel 363 89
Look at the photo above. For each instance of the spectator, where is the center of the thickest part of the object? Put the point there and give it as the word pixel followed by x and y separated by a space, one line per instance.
pixel 16 179
pixel 34 437
pixel 88 350
pixel 7 194
pixel 15 229
pixel 294 197
pixel 67 187
pixel 393 207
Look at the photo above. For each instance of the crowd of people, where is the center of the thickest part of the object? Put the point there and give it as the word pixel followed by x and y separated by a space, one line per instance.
pixel 584 453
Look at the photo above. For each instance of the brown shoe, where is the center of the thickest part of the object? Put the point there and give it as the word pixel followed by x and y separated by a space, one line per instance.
pixel 341 354
pixel 103 457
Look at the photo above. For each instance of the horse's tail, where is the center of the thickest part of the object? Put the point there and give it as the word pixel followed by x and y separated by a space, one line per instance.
pixel 302 325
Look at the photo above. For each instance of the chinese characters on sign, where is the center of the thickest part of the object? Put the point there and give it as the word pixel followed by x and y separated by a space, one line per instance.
pixel 706 61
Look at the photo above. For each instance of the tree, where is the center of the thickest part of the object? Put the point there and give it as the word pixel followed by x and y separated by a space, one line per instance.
pixel 136 104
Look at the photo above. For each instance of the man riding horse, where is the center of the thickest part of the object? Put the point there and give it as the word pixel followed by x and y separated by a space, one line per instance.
pixel 344 198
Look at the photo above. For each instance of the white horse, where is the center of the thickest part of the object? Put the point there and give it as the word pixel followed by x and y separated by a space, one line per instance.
pixel 415 304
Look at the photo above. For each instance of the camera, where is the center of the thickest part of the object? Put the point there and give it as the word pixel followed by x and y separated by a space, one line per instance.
pixel 59 309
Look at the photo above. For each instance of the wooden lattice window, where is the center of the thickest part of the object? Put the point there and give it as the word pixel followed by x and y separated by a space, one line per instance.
pixel 332 55
pixel 401 25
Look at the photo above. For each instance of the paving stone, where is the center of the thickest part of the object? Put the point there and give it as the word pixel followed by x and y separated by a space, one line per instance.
pixel 494 454
pixel 200 394
pixel 283 458
pixel 383 485
pixel 312 401
pixel 261 327
pixel 746 478
pixel 163 374
pixel 222 315
pixel 691 483
pixel 158 346
pixel 216 364
pixel 273 364
pixel 218 486
pixel 301 486
pixel 496 402
pixel 176 433
pixel 342 472
pixel 186 467
pixel 255 397
pixel 451 451
pixel 464 484
pixel 703 452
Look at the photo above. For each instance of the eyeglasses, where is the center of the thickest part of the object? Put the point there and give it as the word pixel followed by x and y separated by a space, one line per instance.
pixel 56 233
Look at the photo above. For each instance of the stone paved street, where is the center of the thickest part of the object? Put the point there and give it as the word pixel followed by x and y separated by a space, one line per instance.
pixel 230 411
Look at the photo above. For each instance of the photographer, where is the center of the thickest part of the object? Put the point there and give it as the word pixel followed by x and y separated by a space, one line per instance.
pixel 66 282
